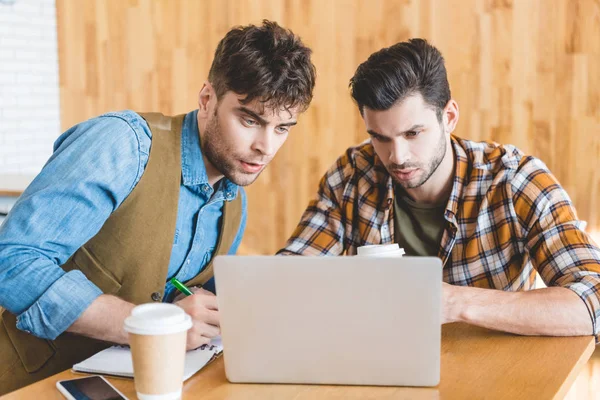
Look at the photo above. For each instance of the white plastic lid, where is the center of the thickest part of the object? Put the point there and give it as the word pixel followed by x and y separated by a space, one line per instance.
pixel 157 319
pixel 380 250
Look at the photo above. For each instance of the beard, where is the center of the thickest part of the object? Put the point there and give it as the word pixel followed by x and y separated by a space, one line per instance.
pixel 222 157
pixel 428 168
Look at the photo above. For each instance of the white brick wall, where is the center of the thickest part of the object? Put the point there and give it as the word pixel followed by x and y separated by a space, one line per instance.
pixel 29 96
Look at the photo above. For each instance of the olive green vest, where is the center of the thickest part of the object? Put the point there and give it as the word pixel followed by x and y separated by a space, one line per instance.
pixel 128 257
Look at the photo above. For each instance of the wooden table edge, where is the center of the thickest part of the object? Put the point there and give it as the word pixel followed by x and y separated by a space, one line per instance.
pixel 570 379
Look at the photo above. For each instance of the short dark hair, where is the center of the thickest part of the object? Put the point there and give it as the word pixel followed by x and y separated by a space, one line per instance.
pixel 396 72
pixel 265 62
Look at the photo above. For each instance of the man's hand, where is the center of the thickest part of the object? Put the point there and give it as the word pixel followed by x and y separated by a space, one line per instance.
pixel 202 307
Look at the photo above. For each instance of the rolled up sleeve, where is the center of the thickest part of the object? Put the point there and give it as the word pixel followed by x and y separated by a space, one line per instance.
pixel 561 251
pixel 94 167
pixel 51 315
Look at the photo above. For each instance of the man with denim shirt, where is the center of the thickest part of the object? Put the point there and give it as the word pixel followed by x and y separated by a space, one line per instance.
pixel 68 248
pixel 492 214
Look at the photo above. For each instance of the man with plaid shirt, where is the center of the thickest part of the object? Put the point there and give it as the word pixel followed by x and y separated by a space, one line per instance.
pixel 492 214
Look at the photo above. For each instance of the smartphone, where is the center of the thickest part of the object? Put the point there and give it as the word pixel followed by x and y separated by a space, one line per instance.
pixel 89 388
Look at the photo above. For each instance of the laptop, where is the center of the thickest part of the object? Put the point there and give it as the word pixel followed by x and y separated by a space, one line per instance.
pixel 330 320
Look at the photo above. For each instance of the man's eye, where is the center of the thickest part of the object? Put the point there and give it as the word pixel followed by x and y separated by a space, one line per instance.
pixel 249 122
pixel 411 134
pixel 282 129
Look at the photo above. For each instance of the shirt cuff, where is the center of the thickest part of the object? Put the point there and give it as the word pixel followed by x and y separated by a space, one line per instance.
pixel 59 307
pixel 587 290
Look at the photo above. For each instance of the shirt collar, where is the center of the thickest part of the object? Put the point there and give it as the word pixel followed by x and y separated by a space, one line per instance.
pixel 387 183
pixel 460 178
pixel 193 170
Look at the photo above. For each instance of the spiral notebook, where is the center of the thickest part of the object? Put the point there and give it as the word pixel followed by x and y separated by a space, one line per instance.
pixel 116 360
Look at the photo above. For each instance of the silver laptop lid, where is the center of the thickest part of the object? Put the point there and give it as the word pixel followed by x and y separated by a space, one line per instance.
pixel 330 320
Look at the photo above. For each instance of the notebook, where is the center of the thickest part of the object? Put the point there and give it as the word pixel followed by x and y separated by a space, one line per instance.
pixel 117 361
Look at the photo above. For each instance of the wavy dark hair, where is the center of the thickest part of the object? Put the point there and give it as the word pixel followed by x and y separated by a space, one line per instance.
pixel 264 62
pixel 396 72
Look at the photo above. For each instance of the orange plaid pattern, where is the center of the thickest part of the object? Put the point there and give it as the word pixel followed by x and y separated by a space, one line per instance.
pixel 507 216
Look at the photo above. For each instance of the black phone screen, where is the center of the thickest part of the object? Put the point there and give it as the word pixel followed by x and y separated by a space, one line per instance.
pixel 91 388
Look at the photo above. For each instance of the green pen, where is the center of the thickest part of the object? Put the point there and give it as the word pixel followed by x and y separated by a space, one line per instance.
pixel 181 287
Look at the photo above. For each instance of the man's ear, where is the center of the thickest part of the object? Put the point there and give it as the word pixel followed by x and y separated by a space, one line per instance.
pixel 205 96
pixel 450 116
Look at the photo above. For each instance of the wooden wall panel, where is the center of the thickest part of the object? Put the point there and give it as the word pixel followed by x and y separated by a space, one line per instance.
pixel 525 72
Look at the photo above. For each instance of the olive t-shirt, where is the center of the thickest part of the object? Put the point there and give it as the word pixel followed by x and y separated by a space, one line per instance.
pixel 418 227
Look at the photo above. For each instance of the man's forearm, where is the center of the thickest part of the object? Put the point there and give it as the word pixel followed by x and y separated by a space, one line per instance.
pixel 103 320
pixel 553 311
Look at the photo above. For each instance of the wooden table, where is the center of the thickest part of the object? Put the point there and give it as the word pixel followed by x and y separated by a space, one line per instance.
pixel 476 363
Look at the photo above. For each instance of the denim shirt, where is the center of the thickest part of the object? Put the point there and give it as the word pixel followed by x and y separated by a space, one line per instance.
pixel 94 167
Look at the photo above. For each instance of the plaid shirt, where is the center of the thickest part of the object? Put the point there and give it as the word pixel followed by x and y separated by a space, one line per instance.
pixel 507 216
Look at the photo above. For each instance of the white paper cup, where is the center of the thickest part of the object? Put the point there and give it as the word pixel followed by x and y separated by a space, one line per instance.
pixel 380 250
pixel 157 336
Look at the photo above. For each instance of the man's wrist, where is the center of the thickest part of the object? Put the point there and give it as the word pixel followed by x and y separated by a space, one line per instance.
pixel 457 304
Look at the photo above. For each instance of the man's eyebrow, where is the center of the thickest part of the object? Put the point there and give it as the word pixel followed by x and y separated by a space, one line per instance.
pixel 411 129
pixel 291 123
pixel 261 120
pixel 254 115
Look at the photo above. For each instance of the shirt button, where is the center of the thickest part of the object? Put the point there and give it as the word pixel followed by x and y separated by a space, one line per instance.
pixel 156 296
pixel 205 188
pixel 188 261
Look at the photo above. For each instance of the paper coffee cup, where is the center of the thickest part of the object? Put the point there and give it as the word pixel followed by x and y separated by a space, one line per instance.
pixel 380 250
pixel 157 336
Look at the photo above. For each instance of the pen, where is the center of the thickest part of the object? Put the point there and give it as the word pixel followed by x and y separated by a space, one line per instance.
pixel 181 287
